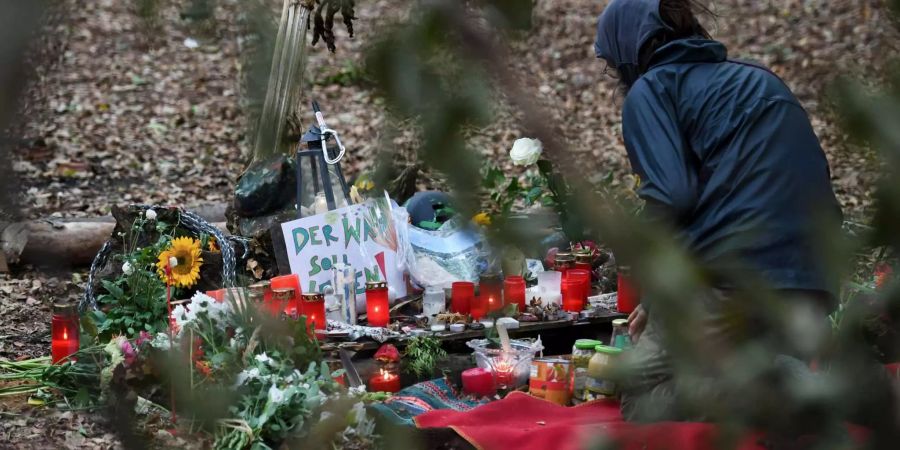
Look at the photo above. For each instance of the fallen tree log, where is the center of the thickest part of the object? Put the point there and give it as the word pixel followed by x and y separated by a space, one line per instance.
pixel 66 243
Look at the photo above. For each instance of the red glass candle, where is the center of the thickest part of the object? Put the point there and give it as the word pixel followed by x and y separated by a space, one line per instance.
pixel 377 306
pixel 478 382
pixel 218 294
pixel 461 294
pixel 313 307
pixel 384 380
pixel 583 261
pixel 63 332
pixel 514 291
pixel 563 262
pixel 490 289
pixel 628 296
pixel 261 294
pixel 292 281
pixel 585 277
pixel 572 299
pixel 478 307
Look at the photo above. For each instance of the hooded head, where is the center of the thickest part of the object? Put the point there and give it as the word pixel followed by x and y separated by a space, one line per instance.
pixel 623 28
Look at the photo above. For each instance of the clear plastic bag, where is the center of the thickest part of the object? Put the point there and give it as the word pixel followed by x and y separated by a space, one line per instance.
pixel 439 257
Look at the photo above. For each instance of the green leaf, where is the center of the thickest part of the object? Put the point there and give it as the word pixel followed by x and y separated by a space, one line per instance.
pixel 89 325
pixel 113 289
pixel 493 178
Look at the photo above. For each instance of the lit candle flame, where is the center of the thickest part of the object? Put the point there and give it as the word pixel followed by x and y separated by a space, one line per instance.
pixel 387 375
pixel 65 334
pixel 376 309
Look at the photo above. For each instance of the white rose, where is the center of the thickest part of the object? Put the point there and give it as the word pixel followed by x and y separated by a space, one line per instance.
pixel 526 151
pixel 263 358
pixel 276 396
pixel 150 214
pixel 127 268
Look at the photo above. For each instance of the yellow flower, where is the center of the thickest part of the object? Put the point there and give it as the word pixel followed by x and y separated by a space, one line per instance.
pixel 364 183
pixel 482 219
pixel 187 252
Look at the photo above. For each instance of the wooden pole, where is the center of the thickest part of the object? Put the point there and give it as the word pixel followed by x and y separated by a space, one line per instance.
pixel 285 78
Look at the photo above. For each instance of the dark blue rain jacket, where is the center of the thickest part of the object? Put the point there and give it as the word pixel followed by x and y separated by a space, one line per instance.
pixel 724 151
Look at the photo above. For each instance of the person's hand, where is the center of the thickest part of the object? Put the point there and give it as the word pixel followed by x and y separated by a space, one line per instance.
pixel 637 321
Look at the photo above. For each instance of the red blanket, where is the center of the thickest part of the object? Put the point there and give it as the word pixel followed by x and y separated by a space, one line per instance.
pixel 523 422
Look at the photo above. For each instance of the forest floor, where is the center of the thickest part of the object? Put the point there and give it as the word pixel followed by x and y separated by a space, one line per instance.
pixel 123 109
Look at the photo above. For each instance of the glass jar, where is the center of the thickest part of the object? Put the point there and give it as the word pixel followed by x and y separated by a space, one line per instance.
pixel 582 352
pixel 563 262
pixel 599 383
pixel 64 332
pixel 377 304
pixel 620 337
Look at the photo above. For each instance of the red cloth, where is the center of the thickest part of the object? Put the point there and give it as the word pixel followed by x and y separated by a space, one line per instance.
pixel 523 422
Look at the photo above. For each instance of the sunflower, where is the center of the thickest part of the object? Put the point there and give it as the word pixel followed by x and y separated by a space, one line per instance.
pixel 187 251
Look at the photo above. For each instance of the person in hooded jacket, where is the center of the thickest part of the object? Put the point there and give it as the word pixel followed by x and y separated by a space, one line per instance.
pixel 727 156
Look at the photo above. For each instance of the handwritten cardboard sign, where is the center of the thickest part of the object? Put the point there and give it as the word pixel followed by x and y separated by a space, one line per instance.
pixel 361 236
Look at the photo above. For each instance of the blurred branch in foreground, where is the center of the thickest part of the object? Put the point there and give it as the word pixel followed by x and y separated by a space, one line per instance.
pixel 443 68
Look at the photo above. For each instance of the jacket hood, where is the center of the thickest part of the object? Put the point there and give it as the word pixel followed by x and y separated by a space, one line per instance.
pixel 623 27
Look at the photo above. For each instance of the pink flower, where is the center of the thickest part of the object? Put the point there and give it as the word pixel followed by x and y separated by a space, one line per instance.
pixel 550 259
pixel 143 337
pixel 128 352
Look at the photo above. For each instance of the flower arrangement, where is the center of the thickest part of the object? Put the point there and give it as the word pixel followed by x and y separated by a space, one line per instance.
pixel 133 299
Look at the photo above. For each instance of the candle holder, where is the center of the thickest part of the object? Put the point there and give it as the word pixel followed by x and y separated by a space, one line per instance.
pixel 218 295
pixel 572 298
pixel 319 175
pixel 313 307
pixel 385 380
pixel 64 332
pixel 583 260
pixel 563 262
pixel 584 276
pixel 280 299
pixel 261 294
pixel 490 289
pixel 292 305
pixel 461 295
pixel 628 296
pixel 377 305
pixel 514 291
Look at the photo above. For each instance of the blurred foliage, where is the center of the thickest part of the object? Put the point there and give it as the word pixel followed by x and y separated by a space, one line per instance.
pixel 442 69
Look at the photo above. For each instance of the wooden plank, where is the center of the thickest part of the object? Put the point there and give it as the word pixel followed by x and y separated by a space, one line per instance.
pixel 524 328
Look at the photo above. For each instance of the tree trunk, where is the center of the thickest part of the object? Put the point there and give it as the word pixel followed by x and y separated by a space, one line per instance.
pixel 67 242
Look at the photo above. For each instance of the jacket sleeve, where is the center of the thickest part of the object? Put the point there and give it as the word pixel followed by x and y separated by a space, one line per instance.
pixel 658 153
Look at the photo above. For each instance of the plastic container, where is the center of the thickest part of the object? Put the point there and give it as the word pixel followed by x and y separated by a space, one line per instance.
pixel 550 281
pixel 433 302
pixel 511 370
pixel 599 383
pixel 582 352
pixel 620 337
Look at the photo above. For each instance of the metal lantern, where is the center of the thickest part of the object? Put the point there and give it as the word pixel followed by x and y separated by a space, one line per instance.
pixel 319 174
